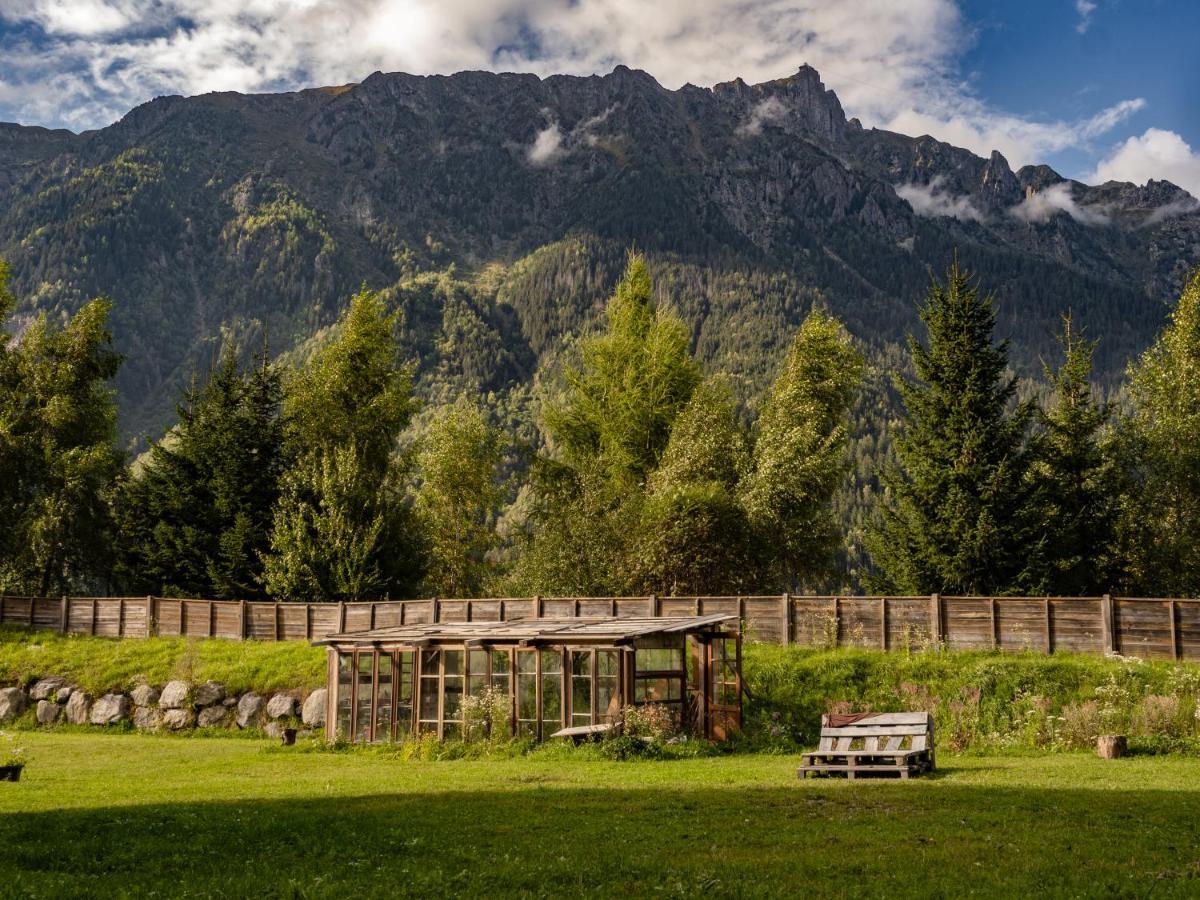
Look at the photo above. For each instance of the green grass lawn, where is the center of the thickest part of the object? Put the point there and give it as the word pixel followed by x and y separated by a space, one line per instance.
pixel 102 815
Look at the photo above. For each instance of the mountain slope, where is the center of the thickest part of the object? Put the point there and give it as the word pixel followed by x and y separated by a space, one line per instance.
pixel 230 217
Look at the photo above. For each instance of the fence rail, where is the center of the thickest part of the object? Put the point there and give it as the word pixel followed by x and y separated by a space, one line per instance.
pixel 1152 628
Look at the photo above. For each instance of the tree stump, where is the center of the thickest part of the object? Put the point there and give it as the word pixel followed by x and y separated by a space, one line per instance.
pixel 1111 746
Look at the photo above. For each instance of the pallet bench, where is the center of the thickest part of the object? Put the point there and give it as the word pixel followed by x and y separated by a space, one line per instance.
pixel 898 744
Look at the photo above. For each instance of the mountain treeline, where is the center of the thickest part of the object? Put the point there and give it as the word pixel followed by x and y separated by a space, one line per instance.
pixel 320 475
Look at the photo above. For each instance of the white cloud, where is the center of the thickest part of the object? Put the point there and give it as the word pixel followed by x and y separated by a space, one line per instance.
pixel 547 146
pixel 931 201
pixel 1156 154
pixel 894 65
pixel 769 110
pixel 1084 8
pixel 1041 206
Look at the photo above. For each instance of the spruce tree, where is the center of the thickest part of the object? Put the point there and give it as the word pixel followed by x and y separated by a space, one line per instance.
pixel 956 513
pixel 1162 521
pixel 196 514
pixel 1077 481
pixel 341 528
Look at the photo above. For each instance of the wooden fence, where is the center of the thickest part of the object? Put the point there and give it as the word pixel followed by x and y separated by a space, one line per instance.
pixel 1152 628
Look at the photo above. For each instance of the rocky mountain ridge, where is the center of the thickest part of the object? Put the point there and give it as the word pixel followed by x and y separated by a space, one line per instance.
pixel 229 216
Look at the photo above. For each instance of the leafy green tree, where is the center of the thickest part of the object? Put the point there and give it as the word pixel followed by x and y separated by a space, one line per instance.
pixel 800 452
pixel 1077 481
pixel 57 433
pixel 458 499
pixel 956 513
pixel 631 382
pixel 341 528
pixel 608 435
pixel 1161 524
pixel 195 518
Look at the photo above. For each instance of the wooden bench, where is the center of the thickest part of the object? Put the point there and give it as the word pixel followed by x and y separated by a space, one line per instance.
pixel 877 744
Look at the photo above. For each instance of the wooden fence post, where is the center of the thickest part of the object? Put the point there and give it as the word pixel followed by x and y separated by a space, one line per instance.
pixel 1174 638
pixel 655 606
pixel 837 622
pixel 151 622
pixel 786 602
pixel 935 620
pixel 436 608
pixel 1108 624
pixel 64 613
pixel 1 607
pixel 121 617
pixel 539 608
pixel 1049 630
pixel 992 612
pixel 342 616
pixel 32 608
pixel 93 615
pixel 883 623
pixel 276 621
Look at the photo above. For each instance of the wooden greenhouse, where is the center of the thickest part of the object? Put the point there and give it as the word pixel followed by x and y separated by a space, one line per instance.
pixel 550 675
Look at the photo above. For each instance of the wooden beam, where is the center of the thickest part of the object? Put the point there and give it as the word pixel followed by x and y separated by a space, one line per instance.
pixel 64 613
pixel 1174 637
pixel 1049 633
pixel 1107 624
pixel 995 635
pixel 121 617
pixel 883 643
pixel 935 619
pixel 786 610
pixel 151 621
pixel 93 615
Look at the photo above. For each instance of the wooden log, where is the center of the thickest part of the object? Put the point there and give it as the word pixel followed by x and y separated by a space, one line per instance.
pixel 1111 746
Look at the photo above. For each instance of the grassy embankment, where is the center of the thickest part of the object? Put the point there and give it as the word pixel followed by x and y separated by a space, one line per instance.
pixel 135 815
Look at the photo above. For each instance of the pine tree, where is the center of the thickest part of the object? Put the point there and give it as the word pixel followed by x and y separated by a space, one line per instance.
pixel 195 518
pixel 800 453
pixel 1077 481
pixel 956 516
pixel 57 453
pixel 341 529
pixel 458 499
pixel 1163 519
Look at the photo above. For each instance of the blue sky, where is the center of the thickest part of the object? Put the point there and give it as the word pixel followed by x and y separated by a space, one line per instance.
pixel 1097 88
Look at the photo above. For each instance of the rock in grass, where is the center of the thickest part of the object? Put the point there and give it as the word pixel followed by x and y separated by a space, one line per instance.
pixel 47 688
pixel 208 694
pixel 79 707
pixel 282 706
pixel 212 716
pixel 313 712
pixel 64 694
pixel 274 730
pixel 144 695
pixel 48 712
pixel 178 719
pixel 249 710
pixel 110 709
pixel 147 718
pixel 175 695
pixel 12 703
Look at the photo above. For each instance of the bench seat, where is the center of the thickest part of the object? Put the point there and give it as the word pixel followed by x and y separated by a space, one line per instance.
pixel 887 744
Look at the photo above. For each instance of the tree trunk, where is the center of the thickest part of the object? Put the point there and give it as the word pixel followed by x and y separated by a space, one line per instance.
pixel 1111 746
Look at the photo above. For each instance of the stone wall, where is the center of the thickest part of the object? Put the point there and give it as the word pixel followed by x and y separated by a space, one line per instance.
pixel 176 706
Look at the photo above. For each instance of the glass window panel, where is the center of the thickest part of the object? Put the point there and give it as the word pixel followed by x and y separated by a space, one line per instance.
pixel 429 699
pixel 454 662
pixel 383 703
pixel 477 666
pixel 452 691
pixel 501 664
pixel 656 690
pixel 527 711
pixel 659 659
pixel 362 697
pixel 430 659
pixel 581 687
pixel 552 684
pixel 404 683
pixel 345 698
pixel 608 698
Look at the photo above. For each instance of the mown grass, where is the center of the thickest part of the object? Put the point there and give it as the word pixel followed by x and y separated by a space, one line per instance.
pixel 105 664
pixel 133 815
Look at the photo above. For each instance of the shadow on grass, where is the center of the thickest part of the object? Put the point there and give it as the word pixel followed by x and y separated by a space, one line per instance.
pixel 924 838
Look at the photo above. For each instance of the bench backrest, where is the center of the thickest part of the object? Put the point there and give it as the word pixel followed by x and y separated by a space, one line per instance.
pixel 880 731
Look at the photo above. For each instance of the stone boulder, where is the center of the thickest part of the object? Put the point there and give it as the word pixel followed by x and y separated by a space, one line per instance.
pixel 79 707
pixel 282 706
pixel 144 695
pixel 249 710
pixel 175 695
pixel 313 713
pixel 110 709
pixel 178 719
pixel 208 694
pixel 47 688
pixel 274 729
pixel 64 694
pixel 12 703
pixel 147 718
pixel 212 716
pixel 48 712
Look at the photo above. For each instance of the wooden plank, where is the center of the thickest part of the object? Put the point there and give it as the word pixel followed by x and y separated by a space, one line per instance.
pixel 874 731
pixel 935 619
pixel 64 614
pixel 1049 633
pixel 93 624
pixel 891 718
pixel 1107 625
pixel 786 612
pixel 1174 637
pixel 883 642
pixel 995 637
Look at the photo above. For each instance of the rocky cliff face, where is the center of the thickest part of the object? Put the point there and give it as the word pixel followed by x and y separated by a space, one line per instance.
pixel 242 214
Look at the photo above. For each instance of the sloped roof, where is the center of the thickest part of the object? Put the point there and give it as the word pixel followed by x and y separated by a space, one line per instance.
pixel 531 632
